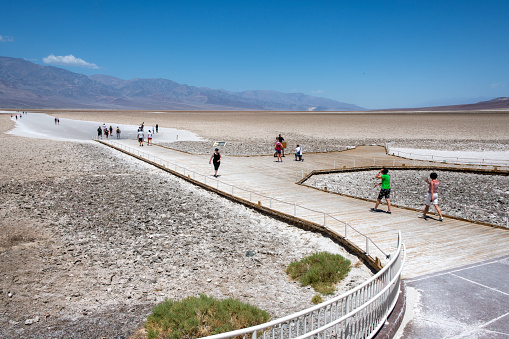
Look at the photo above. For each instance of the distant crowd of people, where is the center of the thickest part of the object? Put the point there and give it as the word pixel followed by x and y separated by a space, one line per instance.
pixel 108 132
pixel 18 116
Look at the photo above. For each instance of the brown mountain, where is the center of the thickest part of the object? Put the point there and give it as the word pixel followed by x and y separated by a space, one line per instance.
pixel 24 84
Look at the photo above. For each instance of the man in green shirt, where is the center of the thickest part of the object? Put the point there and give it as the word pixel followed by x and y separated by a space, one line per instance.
pixel 385 191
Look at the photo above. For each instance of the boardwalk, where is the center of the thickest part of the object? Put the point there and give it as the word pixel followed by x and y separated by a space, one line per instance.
pixel 431 246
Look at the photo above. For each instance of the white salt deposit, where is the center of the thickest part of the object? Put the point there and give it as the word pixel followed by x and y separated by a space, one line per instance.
pixel 42 126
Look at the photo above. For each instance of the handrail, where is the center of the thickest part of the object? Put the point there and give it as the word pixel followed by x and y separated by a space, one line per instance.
pixel 377 285
pixel 460 160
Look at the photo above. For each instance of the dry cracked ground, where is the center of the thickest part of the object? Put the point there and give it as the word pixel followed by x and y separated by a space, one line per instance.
pixel 91 240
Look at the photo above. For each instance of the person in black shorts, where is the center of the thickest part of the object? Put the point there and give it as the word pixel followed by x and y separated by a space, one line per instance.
pixel 385 191
pixel 99 132
pixel 216 158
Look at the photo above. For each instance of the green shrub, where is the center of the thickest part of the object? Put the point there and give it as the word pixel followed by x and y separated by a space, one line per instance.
pixel 198 317
pixel 317 299
pixel 322 270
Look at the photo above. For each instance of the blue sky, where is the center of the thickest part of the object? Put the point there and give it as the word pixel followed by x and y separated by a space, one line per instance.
pixel 375 54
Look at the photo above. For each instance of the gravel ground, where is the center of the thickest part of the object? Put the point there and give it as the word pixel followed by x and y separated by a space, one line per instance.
pixel 250 147
pixel 408 188
pixel 91 240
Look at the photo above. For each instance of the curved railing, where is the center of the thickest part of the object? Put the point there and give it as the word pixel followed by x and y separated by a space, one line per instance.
pixel 358 313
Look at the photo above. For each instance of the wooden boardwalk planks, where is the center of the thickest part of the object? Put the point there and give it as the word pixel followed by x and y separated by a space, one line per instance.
pixel 431 245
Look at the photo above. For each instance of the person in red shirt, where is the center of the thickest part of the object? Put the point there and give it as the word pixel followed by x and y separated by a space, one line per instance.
pixel 279 147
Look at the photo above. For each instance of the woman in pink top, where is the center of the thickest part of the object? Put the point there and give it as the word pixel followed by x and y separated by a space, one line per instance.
pixel 432 196
pixel 278 147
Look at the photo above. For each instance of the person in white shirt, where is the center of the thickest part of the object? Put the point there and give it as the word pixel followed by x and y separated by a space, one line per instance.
pixel 140 137
pixel 149 138
pixel 298 153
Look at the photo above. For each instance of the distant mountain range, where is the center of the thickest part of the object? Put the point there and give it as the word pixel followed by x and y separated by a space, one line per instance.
pixel 501 103
pixel 24 84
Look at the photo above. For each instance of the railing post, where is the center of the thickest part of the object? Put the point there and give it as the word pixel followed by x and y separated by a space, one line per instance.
pixel 250 196
pixel 334 164
pixel 367 245
pixel 270 202
pixel 346 225
pixel 324 219
pixel 353 163
pixel 294 209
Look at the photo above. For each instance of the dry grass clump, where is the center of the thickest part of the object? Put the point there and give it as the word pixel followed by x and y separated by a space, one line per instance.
pixel 195 317
pixel 322 270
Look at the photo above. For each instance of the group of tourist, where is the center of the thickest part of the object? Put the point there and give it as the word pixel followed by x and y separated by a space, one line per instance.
pixel 385 192
pixel 19 116
pixel 150 134
pixel 104 130
pixel 280 146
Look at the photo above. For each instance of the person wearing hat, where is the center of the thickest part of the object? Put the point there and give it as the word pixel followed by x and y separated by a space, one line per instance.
pixel 216 159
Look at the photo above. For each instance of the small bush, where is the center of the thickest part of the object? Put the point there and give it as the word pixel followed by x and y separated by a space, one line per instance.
pixel 321 270
pixel 317 299
pixel 198 317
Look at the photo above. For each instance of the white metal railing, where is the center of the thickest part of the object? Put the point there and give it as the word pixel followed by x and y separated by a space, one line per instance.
pixel 445 159
pixel 346 230
pixel 358 313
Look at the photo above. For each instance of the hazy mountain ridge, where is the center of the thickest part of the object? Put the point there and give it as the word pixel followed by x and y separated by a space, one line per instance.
pixel 501 103
pixel 24 84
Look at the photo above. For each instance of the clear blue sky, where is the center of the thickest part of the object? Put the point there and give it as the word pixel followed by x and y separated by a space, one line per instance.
pixel 375 54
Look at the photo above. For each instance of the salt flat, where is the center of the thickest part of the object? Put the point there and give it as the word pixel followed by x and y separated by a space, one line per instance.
pixel 431 247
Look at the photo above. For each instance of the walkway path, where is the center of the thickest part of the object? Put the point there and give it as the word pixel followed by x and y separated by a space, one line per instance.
pixel 431 246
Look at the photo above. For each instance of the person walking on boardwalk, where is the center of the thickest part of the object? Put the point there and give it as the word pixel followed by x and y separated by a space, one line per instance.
pixel 149 138
pixel 99 132
pixel 118 132
pixel 278 147
pixel 157 128
pixel 140 137
pixel 216 159
pixel 385 191
pixel 432 196
pixel 281 140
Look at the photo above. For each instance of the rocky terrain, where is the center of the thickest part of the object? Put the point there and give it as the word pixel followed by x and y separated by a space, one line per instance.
pixel 486 197
pixel 90 241
pixel 253 147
